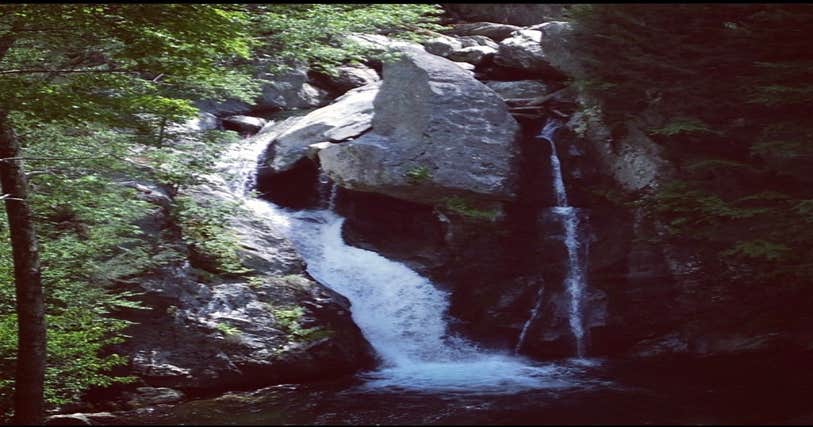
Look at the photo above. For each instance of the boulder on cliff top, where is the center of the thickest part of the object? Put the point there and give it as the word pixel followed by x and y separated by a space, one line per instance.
pixel 437 134
pixel 350 116
pixel 524 51
pixel 496 32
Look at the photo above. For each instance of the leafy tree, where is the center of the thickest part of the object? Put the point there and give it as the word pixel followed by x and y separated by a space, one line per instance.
pixel 90 92
pixel 100 63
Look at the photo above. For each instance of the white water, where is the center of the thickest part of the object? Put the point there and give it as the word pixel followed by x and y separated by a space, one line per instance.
pixel 574 280
pixel 401 313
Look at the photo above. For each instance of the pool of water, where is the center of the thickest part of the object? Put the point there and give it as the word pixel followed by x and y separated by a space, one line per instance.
pixel 745 390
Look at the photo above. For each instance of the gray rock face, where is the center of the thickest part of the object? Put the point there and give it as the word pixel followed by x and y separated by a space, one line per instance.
pixel 496 32
pixel 379 43
pixel 523 51
pixel 470 41
pixel 437 133
pixel 472 50
pixel 350 77
pixel 224 108
pixel 442 45
pixel 466 67
pixel 555 43
pixel 145 396
pixel 473 54
pixel 348 117
pixel 291 90
pixel 519 88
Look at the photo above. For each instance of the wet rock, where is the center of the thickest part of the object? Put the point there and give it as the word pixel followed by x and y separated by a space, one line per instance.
pixel 146 396
pixel 494 31
pixel 244 124
pixel 83 419
pixel 348 117
pixel 437 133
pixel 204 332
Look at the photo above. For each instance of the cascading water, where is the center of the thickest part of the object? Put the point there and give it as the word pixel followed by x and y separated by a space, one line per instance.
pixel 401 313
pixel 574 280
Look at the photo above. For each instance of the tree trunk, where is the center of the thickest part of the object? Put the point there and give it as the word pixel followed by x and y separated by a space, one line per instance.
pixel 30 376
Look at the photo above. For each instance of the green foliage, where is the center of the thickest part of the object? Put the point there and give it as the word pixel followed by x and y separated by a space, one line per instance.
pixel 88 243
pixel 418 174
pixel 227 329
pixel 314 33
pixel 682 125
pixel 759 250
pixel 461 206
pixel 290 320
pixel 203 228
pixel 731 82
pixel 95 93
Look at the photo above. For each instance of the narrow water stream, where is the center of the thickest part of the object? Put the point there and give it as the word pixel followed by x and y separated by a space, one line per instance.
pixel 575 281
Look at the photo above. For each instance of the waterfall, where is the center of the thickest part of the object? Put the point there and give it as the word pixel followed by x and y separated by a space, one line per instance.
pixel 569 217
pixel 402 314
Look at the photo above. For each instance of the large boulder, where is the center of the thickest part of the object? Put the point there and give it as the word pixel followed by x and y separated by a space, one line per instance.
pixel 437 134
pixel 442 45
pixel 290 90
pixel 556 45
pixel 524 51
pixel 348 117
pixel 346 77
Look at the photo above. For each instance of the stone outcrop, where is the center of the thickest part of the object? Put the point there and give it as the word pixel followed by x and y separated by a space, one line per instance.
pixel 437 133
